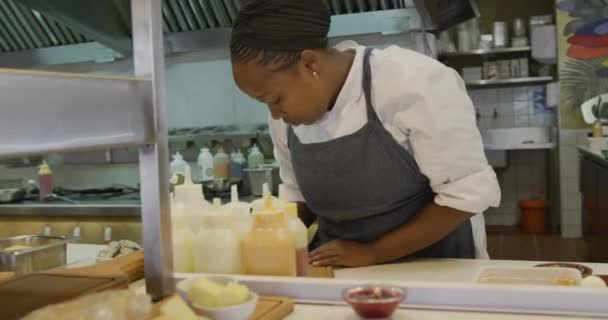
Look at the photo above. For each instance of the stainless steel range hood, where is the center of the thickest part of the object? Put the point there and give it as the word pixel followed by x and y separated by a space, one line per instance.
pixel 30 24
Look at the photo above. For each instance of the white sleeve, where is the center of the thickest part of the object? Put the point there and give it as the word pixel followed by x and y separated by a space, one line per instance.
pixel 278 133
pixel 439 118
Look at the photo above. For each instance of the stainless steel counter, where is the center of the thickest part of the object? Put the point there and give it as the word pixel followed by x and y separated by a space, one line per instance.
pixel 103 208
pixel 596 156
pixel 98 208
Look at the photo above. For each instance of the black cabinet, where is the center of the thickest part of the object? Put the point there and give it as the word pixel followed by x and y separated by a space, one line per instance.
pixel 594 190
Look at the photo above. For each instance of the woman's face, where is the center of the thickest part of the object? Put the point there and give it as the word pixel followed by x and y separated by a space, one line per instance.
pixel 293 94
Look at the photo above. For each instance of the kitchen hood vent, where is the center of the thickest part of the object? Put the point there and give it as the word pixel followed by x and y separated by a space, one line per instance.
pixel 31 24
pixel 24 29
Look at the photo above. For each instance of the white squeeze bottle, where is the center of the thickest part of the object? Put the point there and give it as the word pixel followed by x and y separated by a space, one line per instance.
pixel 205 165
pixel 300 232
pixel 255 158
pixel 258 204
pixel 221 165
pixel 217 247
pixel 241 213
pixel 183 240
pixel 177 164
pixel 191 195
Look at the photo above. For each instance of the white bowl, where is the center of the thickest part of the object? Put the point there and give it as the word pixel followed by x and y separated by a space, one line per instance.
pixel 237 312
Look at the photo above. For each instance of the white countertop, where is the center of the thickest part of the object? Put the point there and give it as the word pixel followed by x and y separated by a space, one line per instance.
pixel 304 312
pixel 433 270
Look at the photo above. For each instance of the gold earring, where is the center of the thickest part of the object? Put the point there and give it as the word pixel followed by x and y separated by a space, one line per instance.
pixel 316 75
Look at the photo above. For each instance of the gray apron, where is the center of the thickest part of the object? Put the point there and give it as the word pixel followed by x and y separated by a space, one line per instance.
pixel 364 185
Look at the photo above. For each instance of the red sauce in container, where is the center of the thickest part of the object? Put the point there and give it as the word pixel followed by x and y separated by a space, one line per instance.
pixel 374 302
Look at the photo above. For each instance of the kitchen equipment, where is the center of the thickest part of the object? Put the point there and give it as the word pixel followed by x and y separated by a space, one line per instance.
pixel 472 73
pixel 464 38
pixel 519 27
pixel 220 187
pixel 45 180
pixel 11 195
pixel 486 42
pixel 45 252
pixel 265 174
pixel 374 301
pixel 544 43
pixel 501 34
pixel 490 70
pixel 270 247
pixel 504 69
pixel 205 165
pixel 255 158
pixel 518 42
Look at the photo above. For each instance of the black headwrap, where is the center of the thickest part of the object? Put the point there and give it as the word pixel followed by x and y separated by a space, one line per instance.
pixel 280 26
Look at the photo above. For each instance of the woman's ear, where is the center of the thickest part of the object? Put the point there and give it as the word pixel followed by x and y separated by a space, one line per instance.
pixel 311 61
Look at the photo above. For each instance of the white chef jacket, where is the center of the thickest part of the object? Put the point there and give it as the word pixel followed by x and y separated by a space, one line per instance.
pixel 425 107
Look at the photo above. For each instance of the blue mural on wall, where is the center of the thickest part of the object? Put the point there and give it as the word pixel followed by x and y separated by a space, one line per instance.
pixel 584 70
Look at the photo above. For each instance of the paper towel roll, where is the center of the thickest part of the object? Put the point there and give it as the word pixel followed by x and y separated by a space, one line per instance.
pixel 544 44
pixel 552 95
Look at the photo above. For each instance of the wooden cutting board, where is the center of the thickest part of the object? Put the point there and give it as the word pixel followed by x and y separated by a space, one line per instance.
pixel 320 272
pixel 20 296
pixel 268 308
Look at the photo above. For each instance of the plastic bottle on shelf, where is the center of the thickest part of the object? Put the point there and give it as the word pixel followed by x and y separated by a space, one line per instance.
pixel 177 164
pixel 183 239
pixel 241 213
pixel 258 204
pixel 221 164
pixel 300 232
pixel 45 180
pixel 269 248
pixel 237 165
pixel 205 165
pixel 255 158
pixel 191 195
pixel 217 247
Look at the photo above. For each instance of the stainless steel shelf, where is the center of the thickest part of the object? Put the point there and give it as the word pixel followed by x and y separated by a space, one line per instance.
pixel 48 112
pixel 508 82
pixel 482 52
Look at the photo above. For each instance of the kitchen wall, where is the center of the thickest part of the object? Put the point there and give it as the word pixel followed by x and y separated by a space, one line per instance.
pixel 513 107
pixel 200 92
pixel 525 176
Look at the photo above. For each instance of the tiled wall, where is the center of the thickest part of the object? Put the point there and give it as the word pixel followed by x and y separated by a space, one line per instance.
pixel 524 178
pixel 513 107
pixel 571 202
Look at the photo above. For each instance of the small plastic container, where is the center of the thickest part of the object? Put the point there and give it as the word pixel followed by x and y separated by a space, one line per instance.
pixel 374 301
pixel 530 276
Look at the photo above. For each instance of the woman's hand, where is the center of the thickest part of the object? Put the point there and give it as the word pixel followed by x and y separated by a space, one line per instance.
pixel 343 253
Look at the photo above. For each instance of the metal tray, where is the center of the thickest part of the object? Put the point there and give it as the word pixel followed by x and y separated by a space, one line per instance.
pixel 46 252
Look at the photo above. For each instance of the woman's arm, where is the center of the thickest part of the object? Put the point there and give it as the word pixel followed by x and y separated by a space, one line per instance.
pixel 429 226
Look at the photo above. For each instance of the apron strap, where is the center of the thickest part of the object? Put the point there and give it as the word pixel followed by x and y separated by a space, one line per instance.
pixel 367 86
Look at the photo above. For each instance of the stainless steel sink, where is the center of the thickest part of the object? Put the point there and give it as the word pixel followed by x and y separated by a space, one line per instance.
pixel 519 138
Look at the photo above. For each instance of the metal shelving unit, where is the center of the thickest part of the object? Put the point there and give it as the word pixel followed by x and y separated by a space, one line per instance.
pixel 482 52
pixel 507 82
pixel 57 112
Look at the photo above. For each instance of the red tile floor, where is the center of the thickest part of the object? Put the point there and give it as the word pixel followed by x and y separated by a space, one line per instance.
pixel 510 243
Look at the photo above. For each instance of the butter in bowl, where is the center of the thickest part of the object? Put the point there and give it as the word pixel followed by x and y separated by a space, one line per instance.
pixel 218 298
